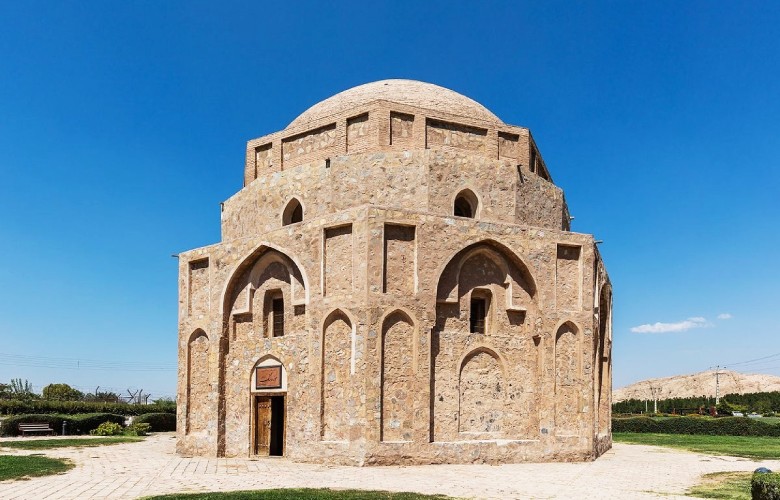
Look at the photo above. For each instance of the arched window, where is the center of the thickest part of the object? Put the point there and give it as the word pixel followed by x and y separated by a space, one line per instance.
pixel 293 212
pixel 478 312
pixel 274 313
pixel 466 204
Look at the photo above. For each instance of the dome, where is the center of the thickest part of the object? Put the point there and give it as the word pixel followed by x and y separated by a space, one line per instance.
pixel 409 92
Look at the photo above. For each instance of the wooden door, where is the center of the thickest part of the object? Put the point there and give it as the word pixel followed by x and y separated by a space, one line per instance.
pixel 262 426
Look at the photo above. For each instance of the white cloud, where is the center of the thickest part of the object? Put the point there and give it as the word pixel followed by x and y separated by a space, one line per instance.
pixel 725 316
pixel 681 326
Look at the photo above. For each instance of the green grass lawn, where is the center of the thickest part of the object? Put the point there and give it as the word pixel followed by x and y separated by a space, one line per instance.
pixel 301 494
pixel 724 485
pixel 735 446
pixel 18 467
pixel 45 444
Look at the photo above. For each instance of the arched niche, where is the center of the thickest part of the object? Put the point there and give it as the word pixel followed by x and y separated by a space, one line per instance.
pixel 568 365
pixel 481 393
pixel 268 406
pixel 198 384
pixel 268 291
pixel 466 204
pixel 337 367
pixel 398 377
pixel 234 295
pixel 489 274
pixel 603 361
pixel 292 213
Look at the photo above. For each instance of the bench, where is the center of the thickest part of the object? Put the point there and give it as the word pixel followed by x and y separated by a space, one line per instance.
pixel 25 428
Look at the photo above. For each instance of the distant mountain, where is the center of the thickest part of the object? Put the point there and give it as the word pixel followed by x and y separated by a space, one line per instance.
pixel 698 384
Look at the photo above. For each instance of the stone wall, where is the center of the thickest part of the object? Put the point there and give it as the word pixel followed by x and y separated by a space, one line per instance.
pixel 307 144
pixel 426 181
pixel 439 133
pixel 400 260
pixel 406 390
pixel 384 127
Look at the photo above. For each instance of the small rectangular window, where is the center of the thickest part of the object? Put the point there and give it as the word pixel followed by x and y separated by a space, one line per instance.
pixel 478 314
pixel 278 317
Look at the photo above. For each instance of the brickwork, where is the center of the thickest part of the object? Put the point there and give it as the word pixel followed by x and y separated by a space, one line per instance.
pixel 404 333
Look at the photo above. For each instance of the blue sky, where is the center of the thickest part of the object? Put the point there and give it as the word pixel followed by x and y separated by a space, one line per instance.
pixel 123 125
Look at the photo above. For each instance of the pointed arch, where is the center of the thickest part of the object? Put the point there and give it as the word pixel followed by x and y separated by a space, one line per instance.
pixel 568 367
pixel 198 332
pixel 397 376
pixel 229 292
pixel 237 288
pixel 198 381
pixel 481 392
pixel 466 204
pixel 349 318
pixel 467 355
pixel 568 334
pixel 510 264
pixel 402 314
pixel 293 212
pixel 268 357
pixel 268 360
pixel 336 370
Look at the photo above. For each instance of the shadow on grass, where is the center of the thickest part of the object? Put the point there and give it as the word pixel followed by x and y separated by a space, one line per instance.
pixel 46 444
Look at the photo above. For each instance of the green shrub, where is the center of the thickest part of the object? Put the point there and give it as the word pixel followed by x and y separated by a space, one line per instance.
pixel 160 422
pixel 84 424
pixel 107 429
pixel 765 486
pixel 728 426
pixel 39 407
pixel 635 424
pixel 137 429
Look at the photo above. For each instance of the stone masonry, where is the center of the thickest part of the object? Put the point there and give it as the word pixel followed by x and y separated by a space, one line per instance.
pixel 396 283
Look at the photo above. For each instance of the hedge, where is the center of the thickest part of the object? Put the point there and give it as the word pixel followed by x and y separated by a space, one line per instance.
pixel 18 407
pixel 159 422
pixel 85 423
pixel 76 424
pixel 765 486
pixel 727 426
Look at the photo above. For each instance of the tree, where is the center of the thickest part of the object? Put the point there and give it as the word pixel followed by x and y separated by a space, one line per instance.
pixel 61 392
pixel 102 396
pixel 22 390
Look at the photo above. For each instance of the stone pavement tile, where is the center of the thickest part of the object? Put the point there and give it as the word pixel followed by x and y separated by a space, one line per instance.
pixel 137 469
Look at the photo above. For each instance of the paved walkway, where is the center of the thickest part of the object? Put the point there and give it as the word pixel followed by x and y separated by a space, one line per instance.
pixel 151 467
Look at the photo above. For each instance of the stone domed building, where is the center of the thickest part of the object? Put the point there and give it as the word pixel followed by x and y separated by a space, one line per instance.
pixel 397 282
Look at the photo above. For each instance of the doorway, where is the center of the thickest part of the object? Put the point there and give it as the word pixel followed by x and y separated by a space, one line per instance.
pixel 269 422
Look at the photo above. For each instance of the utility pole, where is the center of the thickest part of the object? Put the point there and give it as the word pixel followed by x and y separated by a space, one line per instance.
pixel 717 385
pixel 654 390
